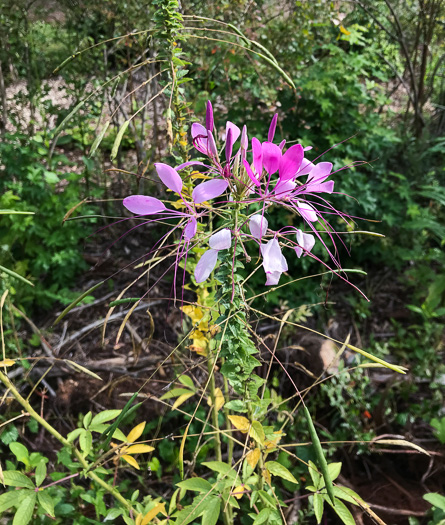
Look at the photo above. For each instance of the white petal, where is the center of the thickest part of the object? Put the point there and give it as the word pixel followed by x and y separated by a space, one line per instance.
pixel 205 265
pixel 221 240
pixel 272 278
pixel 258 226
pixel 307 211
pixel 273 259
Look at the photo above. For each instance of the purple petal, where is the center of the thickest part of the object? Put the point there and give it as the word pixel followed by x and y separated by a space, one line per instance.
pixel 257 156
pixel 221 240
pixel 273 259
pixel 307 148
pixel 189 163
pixel 244 138
pixel 281 145
pixel 250 173
pixel 209 190
pixel 236 132
pixel 307 211
pixel 209 116
pixel 211 149
pixel 258 226
pixel 291 161
pixel 190 229
pixel 283 189
pixel 199 136
pixel 205 265
pixel 273 126
pixel 305 168
pixel 273 278
pixel 169 176
pixel 229 145
pixel 324 187
pixel 143 205
pixel 271 157
pixel 306 242
pixel 320 172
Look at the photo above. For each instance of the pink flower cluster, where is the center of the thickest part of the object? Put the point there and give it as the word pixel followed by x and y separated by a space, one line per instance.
pixel 274 177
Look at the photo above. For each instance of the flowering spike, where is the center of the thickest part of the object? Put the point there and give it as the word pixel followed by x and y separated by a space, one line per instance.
pixel 209 116
pixel 273 126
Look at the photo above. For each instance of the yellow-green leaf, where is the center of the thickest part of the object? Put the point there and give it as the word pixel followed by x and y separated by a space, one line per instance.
pixel 253 457
pixel 257 432
pixel 240 423
pixel 130 460
pixel 139 449
pixel 136 432
pixel 277 469
pixel 182 399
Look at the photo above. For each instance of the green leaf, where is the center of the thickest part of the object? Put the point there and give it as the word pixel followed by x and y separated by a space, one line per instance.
pixel 10 499
pixel 437 500
pixel 87 419
pixel 318 507
pixel 14 478
pixel 348 495
pixel 117 434
pixel 267 499
pixel 315 475
pixel 196 484
pixel 25 511
pixel 277 469
pixel 187 381
pixel 113 514
pixel 220 467
pixel 46 501
pixel 257 432
pixel 40 473
pixel 341 510
pixel 118 139
pixel 74 434
pixel 212 510
pixel 104 417
pixel 334 470
pixel 176 392
pixel 262 517
pixel 20 452
pixel 86 442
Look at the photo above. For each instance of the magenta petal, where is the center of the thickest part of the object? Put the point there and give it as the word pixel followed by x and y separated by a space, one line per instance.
pixel 205 265
pixel 257 156
pixel 258 226
pixel 143 205
pixel 307 211
pixel 250 173
pixel 291 161
pixel 320 172
pixel 209 116
pixel 283 189
pixel 236 132
pixel 271 157
pixel 273 126
pixel 281 145
pixel 190 229
pixel 211 149
pixel 169 176
pixel 221 240
pixel 209 190
pixel 199 136
pixel 229 145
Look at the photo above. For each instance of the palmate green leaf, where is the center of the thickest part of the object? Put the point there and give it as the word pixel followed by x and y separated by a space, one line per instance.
pixel 437 500
pixel 25 510
pixel 277 469
pixel 40 473
pixel 196 484
pixel 20 452
pixel 186 381
pixel 117 434
pixel 14 478
pixel 86 442
pixel 212 510
pixel 341 510
pixel 318 507
pixel 46 502
pixel 11 499
pixel 104 417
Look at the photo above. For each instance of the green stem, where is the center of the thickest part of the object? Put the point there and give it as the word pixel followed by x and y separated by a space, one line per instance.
pixel 215 423
pixel 26 405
